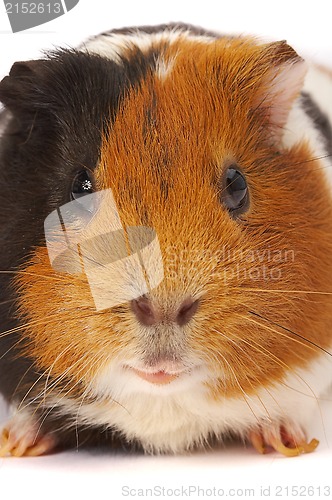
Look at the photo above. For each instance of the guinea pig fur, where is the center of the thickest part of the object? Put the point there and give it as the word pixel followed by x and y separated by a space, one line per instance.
pixel 220 146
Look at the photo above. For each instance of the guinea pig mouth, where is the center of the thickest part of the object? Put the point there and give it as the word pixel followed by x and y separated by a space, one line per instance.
pixel 157 375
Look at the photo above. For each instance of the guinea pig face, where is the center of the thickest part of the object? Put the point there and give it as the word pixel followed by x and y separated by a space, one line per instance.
pixel 191 151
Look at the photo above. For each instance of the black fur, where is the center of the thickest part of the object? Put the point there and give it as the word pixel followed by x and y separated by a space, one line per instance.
pixel 319 118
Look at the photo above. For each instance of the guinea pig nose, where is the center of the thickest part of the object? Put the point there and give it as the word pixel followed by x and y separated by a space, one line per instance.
pixel 186 311
pixel 148 314
pixel 144 311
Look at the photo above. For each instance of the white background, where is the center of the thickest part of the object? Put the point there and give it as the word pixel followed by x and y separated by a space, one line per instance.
pixel 307 26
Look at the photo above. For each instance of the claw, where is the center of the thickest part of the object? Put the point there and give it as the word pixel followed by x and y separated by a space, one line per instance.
pixel 296 450
pixel 21 439
pixel 287 441
pixel 257 441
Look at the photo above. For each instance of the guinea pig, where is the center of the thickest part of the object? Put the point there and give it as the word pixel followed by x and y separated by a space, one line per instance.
pixel 166 243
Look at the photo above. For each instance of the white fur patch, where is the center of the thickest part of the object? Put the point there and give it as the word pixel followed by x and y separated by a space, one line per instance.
pixel 114 45
pixel 175 417
pixel 300 127
pixel 319 84
pixel 163 67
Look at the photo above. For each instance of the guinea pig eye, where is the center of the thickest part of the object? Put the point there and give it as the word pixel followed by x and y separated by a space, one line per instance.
pixel 235 191
pixel 82 186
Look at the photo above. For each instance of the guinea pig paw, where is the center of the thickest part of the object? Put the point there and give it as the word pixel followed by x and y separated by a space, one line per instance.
pixel 25 441
pixel 288 439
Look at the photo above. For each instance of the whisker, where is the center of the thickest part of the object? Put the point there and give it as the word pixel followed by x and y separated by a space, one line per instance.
pixel 40 404
pixel 52 366
pixel 276 290
pixel 27 325
pixel 20 407
pixel 281 363
pixel 20 381
pixel 84 395
pixel 55 383
pixel 93 362
pixel 8 301
pixel 18 271
pixel 266 353
pixel 292 333
pixel 317 399
pixel 40 377
pixel 244 394
pixel 316 158
pixel 10 348
pixel 241 348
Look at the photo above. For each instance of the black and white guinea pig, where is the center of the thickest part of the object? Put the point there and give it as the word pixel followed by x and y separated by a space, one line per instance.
pixel 166 243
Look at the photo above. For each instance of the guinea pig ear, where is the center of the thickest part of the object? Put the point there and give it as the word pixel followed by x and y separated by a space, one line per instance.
pixel 19 91
pixel 282 83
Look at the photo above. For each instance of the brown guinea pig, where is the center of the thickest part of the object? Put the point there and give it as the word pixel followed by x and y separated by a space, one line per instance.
pixel 166 242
